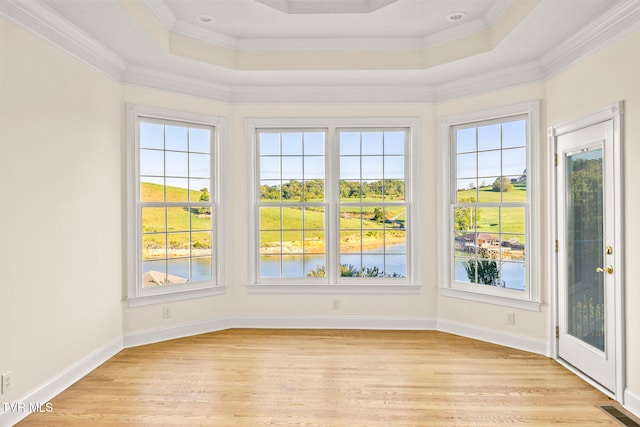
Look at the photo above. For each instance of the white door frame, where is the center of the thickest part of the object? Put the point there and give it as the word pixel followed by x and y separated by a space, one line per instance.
pixel 615 112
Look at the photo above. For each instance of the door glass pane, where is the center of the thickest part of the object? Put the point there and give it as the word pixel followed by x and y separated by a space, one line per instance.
pixel 585 286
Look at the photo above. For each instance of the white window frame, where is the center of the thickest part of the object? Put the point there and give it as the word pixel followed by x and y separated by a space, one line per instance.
pixel 136 294
pixel 331 283
pixel 528 299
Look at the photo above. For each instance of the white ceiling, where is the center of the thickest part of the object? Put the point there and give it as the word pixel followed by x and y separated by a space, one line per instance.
pixel 318 49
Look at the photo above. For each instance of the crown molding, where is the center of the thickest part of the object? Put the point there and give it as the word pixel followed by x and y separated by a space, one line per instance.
pixel 37 18
pixel 172 82
pixel 495 80
pixel 620 20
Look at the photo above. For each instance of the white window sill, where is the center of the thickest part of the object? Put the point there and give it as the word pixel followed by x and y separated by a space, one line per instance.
pixel 165 297
pixel 491 299
pixel 333 289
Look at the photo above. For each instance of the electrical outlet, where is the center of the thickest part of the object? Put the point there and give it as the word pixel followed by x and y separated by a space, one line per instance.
pixel 511 318
pixel 336 304
pixel 6 382
pixel 166 312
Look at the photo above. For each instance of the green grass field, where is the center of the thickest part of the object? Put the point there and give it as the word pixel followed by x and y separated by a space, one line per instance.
pixel 174 220
pixel 513 219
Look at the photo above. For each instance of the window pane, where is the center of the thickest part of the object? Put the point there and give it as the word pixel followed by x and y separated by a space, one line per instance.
pixel 151 189
pixel 490 190
pixel 466 190
pixel 349 143
pixel 201 218
pixel 154 246
pixel 394 143
pixel 466 140
pixel 292 167
pixel 394 167
pixel 199 165
pixel 489 137
pixel 350 190
pixel 512 220
pixel 489 163
pixel 488 220
pixel 269 144
pixel 177 271
pixel 176 138
pixel 270 219
pixel 350 217
pixel 372 191
pixel 395 266
pixel 200 141
pixel 513 274
pixel 315 266
pixel 292 218
pixel 178 218
pixel 292 242
pixel 350 241
pixel 314 167
pixel 292 191
pixel 199 190
pixel 372 167
pixel 393 190
pixel 514 134
pixel 270 265
pixel 466 165
pixel 270 242
pixel 314 143
pixel 151 135
pixel 514 161
pixel 292 144
pixel 395 217
pixel 371 143
pixel 152 162
pixel 154 219
pixel 270 191
pixel 373 265
pixel 201 268
pixel 292 266
pixel 178 245
pixel 465 218
pixel 269 167
pixel 177 164
pixel 177 190
pixel 314 191
pixel 350 265
pixel 201 243
pixel 349 167
pixel 154 273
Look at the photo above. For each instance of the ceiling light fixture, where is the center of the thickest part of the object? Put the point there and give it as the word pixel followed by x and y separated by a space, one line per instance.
pixel 206 19
pixel 456 16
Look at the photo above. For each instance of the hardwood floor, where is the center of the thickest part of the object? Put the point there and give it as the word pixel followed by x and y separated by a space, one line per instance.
pixel 249 377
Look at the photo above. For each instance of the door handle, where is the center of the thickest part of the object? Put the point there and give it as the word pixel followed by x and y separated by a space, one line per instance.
pixel 608 269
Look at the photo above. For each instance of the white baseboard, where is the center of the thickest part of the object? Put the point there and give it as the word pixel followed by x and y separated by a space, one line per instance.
pixel 39 397
pixel 632 402
pixel 495 337
pixel 163 334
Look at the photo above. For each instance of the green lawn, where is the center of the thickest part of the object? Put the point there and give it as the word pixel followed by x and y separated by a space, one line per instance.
pixel 513 219
pixel 174 220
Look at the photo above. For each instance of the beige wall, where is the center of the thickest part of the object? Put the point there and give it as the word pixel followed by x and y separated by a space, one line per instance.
pixel 600 79
pixel 60 210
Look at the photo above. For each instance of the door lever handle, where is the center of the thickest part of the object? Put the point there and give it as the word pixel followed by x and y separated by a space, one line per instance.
pixel 608 269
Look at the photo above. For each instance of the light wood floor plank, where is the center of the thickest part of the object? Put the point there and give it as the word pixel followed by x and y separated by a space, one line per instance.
pixel 247 377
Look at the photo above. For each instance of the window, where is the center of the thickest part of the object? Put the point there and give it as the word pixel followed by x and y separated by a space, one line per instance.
pixel 173 209
pixel 489 197
pixel 332 203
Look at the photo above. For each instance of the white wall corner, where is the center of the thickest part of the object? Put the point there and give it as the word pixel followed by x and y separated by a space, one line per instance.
pixel 632 402
pixel 41 395
pixel 493 336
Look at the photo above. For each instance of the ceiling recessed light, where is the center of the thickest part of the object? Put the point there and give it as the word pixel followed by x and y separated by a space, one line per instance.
pixel 456 16
pixel 206 19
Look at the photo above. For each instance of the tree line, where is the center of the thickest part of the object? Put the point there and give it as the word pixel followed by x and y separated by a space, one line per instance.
pixel 296 190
